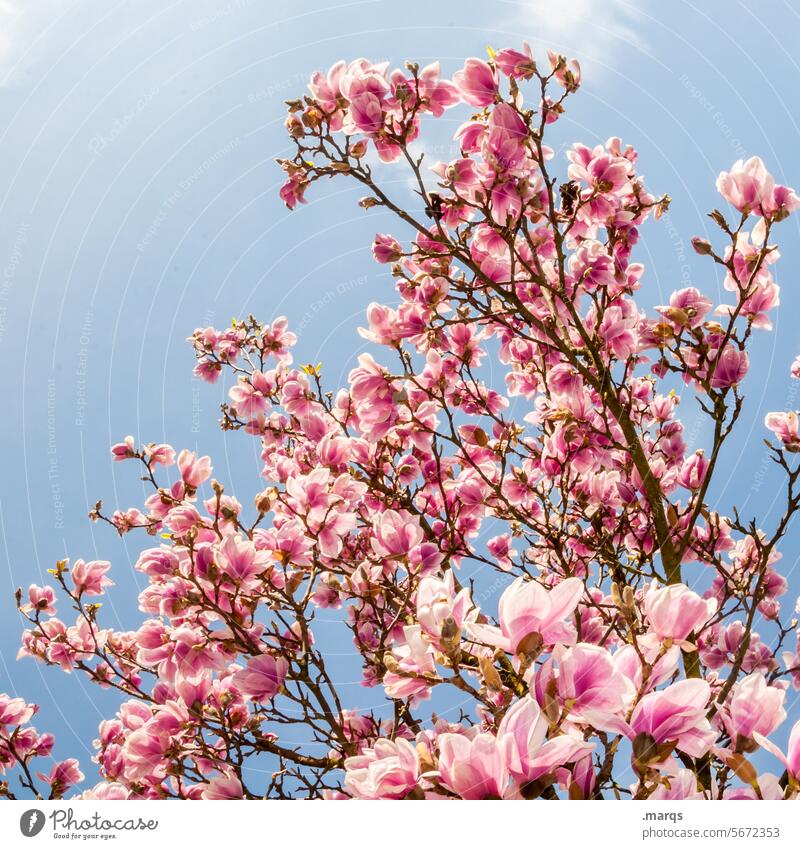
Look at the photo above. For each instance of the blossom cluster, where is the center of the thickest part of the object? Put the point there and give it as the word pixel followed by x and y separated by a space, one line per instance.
pixel 632 641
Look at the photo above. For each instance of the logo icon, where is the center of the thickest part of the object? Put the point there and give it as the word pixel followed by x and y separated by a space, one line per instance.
pixel 31 822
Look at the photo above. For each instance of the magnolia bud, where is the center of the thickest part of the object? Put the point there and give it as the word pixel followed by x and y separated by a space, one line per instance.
pixel 551 708
pixel 451 634
pixel 647 752
pixel 489 674
pixel 628 597
pixel 701 246
pixel 426 761
pixel 530 645
pixel 295 127
pixel 742 767
pixel 480 437
pixel 264 500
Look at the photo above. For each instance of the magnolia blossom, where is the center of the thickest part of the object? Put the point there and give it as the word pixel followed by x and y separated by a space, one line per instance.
pixel 526 609
pixel 388 770
pixel 441 612
pixel 751 188
pixel 472 768
pixel 90 578
pixel 588 683
pixel 674 611
pixel 476 82
pixel 785 427
pixel 262 677
pixel 791 760
pixel 754 707
pixel 677 714
pixel 730 367
pixel 223 787
pixel 525 752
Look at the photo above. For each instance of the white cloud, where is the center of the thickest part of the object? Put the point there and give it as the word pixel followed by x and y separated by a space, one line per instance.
pixel 21 21
pixel 597 32
pixel 10 14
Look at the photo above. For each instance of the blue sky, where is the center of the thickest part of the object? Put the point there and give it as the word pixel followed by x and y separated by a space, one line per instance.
pixel 138 200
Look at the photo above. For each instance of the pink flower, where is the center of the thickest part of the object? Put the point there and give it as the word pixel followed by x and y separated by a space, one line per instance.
pixel 90 578
pixel 240 561
pixel 291 193
pixel 477 83
pixel 62 776
pixel 677 714
pixel 791 760
pixel 163 454
pixel 42 599
pixel 751 188
pixel 365 86
pixel 395 534
pixel 194 470
pixel 516 64
pixel 526 753
pixel 785 427
pixel 754 707
pixel 14 711
pixel 768 785
pixel 526 608
pixel 507 132
pixel 415 659
pixel 124 450
pixel 682 786
pixel 223 787
pixel 746 184
pixel 730 367
pixel 618 330
pixel 436 94
pixel 588 683
pixel 262 678
pixel 780 203
pixel 439 606
pixel 143 753
pixel 675 611
pixel 387 770
pixel 566 72
pixel 325 90
pixel 693 471
pixel 608 173
pixel 692 304
pixel 248 397
pixel 386 248
pixel 472 768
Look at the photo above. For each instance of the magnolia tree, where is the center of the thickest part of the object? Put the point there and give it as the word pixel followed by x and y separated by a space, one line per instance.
pixel 624 657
